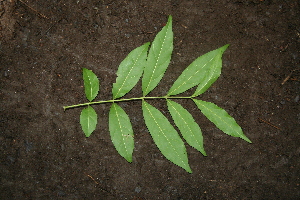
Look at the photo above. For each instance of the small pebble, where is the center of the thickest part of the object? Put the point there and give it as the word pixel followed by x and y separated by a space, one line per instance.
pixel 297 98
pixel 11 159
pixel 138 189
pixel 6 73
pixel 28 145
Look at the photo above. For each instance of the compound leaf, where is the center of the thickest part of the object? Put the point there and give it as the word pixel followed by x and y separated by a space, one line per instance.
pixel 221 119
pixel 189 129
pixel 204 71
pixel 88 120
pixel 91 84
pixel 121 131
pixel 158 58
pixel 165 136
pixel 130 71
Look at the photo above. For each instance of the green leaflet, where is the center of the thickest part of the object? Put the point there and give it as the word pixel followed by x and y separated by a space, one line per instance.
pixel 158 58
pixel 204 71
pixel 221 119
pixel 88 120
pixel 121 131
pixel 212 74
pixel 130 71
pixel 91 84
pixel 165 136
pixel 189 129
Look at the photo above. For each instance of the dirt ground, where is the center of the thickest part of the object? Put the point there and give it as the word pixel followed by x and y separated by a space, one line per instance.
pixel 44 46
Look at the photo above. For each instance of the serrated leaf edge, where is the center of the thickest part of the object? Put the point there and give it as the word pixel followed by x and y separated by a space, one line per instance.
pixel 242 136
pixel 123 135
pixel 156 62
pixel 135 61
pixel 90 97
pixel 161 130
pixel 87 134
pixel 169 93
pixel 198 90
pixel 187 125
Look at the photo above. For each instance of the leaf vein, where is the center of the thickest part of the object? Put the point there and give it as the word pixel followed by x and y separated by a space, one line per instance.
pixel 192 75
pixel 185 122
pixel 135 61
pixel 161 130
pixel 120 126
pixel 156 62
pixel 210 110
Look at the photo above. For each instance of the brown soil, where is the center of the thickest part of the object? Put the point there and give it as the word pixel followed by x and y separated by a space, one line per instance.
pixel 45 44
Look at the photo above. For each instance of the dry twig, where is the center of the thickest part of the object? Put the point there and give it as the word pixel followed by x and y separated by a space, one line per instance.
pixel 269 123
pixel 31 8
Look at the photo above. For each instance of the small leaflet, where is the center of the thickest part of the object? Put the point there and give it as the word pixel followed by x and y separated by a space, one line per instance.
pixel 203 71
pixel 221 119
pixel 121 132
pixel 165 136
pixel 88 120
pixel 158 58
pixel 91 84
pixel 130 71
pixel 189 129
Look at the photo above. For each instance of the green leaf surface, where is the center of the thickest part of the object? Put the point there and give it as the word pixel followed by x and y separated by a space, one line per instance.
pixel 165 136
pixel 204 71
pixel 88 120
pixel 121 131
pixel 158 58
pixel 212 74
pixel 91 84
pixel 189 129
pixel 130 71
pixel 221 119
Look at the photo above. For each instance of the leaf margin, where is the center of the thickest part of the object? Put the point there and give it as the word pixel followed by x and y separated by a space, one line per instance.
pixel 147 108
pixel 150 78
pixel 116 113
pixel 88 120
pixel 189 129
pixel 91 84
pixel 207 67
pixel 203 107
pixel 136 68
pixel 212 76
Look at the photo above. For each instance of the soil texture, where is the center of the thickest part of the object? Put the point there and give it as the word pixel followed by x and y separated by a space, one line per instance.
pixel 44 46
